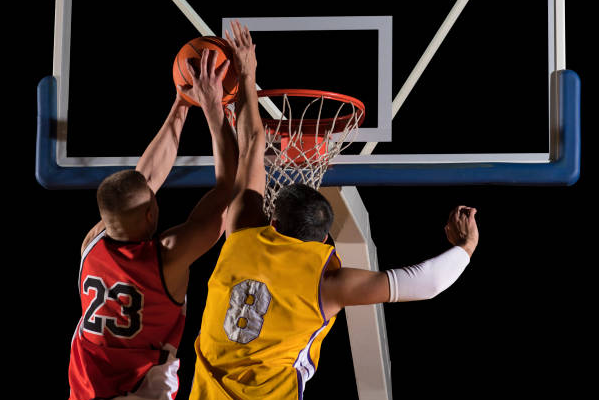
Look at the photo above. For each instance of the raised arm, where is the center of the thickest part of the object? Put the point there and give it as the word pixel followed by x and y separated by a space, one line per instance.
pixel 350 286
pixel 184 243
pixel 245 209
pixel 158 158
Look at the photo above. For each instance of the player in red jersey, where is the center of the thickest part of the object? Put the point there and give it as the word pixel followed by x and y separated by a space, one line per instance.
pixel 133 282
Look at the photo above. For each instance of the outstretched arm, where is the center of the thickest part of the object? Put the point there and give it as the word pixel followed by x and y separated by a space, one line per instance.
pixel 245 209
pixel 350 286
pixel 183 244
pixel 157 160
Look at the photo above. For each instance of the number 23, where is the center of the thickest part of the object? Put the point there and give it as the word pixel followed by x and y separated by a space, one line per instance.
pixel 95 323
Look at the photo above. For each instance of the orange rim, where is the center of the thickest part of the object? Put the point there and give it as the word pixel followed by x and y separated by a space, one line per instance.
pixel 309 125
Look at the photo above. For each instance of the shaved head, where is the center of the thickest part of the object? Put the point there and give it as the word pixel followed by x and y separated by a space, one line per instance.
pixel 125 201
pixel 122 192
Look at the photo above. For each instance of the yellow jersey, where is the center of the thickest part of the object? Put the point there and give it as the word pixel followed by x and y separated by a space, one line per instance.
pixel 263 324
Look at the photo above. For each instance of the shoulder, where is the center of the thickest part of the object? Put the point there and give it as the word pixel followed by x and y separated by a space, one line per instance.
pixel 92 237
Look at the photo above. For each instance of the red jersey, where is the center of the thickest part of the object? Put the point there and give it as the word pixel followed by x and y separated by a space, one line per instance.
pixel 130 326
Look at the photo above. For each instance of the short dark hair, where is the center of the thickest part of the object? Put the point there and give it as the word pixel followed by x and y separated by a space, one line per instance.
pixel 303 213
pixel 116 190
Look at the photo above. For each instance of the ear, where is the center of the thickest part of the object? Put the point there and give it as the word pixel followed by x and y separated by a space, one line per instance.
pixel 152 211
pixel 325 238
pixel 150 214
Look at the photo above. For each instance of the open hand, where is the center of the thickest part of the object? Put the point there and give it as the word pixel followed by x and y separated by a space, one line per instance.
pixel 207 85
pixel 244 51
pixel 461 228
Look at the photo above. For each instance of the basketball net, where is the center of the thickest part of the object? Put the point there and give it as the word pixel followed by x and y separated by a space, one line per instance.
pixel 301 150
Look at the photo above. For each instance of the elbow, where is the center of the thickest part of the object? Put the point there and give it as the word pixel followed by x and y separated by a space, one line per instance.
pixel 224 189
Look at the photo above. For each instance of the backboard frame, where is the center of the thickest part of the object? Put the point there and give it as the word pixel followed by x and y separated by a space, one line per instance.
pixel 561 166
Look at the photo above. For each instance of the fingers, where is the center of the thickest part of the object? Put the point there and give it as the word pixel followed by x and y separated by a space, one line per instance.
pixel 207 65
pixel 222 70
pixel 208 62
pixel 468 212
pixel 454 214
pixel 241 35
pixel 461 228
pixel 230 40
pixel 462 210
pixel 233 38
pixel 237 31
pixel 471 214
pixel 192 69
pixel 204 63
pixel 461 213
pixel 247 36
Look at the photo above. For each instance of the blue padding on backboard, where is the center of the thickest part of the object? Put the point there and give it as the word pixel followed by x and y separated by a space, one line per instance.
pixel 565 170
pixel 52 176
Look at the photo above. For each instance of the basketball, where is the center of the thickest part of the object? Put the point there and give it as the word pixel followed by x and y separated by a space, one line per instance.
pixel 193 50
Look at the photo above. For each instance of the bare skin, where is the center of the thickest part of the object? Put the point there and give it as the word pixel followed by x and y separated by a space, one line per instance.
pixel 246 208
pixel 184 243
pixel 351 286
pixel 345 286
pixel 155 163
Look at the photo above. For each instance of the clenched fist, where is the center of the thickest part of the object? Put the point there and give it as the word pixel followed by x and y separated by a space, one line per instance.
pixel 461 228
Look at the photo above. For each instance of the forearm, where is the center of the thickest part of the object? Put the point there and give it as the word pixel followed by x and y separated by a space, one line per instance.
pixel 429 278
pixel 158 158
pixel 249 123
pixel 246 207
pixel 224 147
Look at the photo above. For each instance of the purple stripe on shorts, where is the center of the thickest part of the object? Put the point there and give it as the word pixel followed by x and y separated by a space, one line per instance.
pixel 300 392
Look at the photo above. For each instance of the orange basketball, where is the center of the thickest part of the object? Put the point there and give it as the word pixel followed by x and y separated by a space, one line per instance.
pixel 193 50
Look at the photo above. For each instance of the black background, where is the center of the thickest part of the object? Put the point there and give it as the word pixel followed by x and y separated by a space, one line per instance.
pixel 518 322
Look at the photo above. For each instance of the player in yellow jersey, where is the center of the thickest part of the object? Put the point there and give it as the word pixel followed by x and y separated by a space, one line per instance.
pixel 277 287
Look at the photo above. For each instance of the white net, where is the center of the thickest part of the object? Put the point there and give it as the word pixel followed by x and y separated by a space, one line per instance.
pixel 300 151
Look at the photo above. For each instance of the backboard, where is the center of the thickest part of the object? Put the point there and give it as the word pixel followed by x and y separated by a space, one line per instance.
pixel 456 92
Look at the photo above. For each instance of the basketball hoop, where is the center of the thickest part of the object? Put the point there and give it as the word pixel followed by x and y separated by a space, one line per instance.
pixel 300 150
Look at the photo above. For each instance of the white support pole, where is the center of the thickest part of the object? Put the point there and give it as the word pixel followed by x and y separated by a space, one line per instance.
pixel 366 324
pixel 560 34
pixel 422 63
pixel 194 18
pixel 60 71
pixel 556 46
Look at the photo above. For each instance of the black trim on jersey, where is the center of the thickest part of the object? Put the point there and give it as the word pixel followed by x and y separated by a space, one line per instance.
pixel 123 242
pixel 324 268
pixel 163 356
pixel 330 240
pixel 89 249
pixel 137 385
pixel 161 271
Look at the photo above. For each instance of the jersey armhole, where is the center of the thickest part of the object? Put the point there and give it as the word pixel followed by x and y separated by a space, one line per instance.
pixel 333 263
pixel 161 272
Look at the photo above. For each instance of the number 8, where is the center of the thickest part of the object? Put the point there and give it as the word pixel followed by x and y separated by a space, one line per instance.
pixel 249 302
